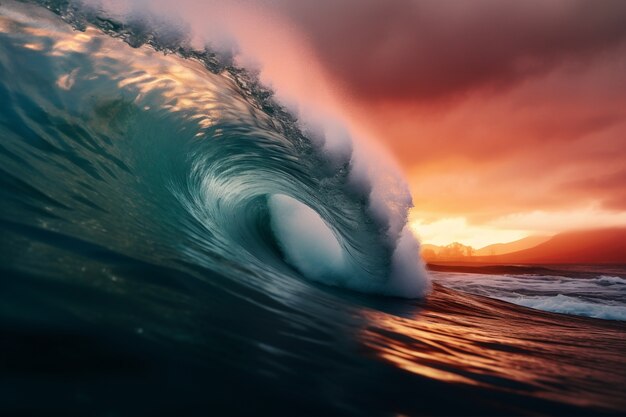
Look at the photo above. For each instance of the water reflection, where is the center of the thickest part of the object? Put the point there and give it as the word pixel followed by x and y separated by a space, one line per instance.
pixel 481 342
pixel 184 85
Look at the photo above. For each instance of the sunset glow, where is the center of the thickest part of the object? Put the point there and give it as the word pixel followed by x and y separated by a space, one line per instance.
pixel 448 230
pixel 514 134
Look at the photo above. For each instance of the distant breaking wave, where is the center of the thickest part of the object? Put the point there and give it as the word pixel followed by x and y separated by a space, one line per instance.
pixel 602 296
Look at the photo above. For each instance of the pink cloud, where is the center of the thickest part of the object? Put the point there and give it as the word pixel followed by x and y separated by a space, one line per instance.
pixel 431 49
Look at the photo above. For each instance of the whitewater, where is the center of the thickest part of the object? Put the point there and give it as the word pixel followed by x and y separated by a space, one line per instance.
pixel 598 296
pixel 174 241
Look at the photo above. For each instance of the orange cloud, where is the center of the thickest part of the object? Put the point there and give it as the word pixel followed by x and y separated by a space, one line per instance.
pixel 496 110
pixel 432 49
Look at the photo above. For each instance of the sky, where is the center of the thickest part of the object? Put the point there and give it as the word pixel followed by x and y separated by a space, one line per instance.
pixel 507 118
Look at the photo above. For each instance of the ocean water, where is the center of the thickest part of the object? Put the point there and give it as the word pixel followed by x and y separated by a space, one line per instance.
pixel 174 242
pixel 580 291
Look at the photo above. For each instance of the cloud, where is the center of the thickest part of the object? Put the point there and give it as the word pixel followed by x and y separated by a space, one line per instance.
pixel 553 142
pixel 591 217
pixel 431 49
pixel 492 107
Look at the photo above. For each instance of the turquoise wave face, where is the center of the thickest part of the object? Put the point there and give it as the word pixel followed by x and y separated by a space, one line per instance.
pixel 171 158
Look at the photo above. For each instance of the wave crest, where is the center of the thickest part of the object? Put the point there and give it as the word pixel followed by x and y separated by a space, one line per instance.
pixel 253 188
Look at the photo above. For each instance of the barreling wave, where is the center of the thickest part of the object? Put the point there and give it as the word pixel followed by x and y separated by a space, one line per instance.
pixel 178 138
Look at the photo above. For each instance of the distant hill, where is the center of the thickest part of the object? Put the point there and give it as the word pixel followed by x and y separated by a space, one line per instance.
pixel 600 246
pixel 518 245
pixel 459 252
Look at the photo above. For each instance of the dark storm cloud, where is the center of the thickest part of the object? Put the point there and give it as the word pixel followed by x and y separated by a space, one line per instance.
pixel 432 49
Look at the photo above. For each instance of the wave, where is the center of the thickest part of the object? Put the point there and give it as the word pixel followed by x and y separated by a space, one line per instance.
pixel 611 280
pixel 571 305
pixel 190 128
pixel 597 296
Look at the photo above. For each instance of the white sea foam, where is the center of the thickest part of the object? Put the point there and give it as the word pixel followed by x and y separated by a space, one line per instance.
pixel 600 297
pixel 310 246
pixel 571 305
pixel 610 280
pixel 374 172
